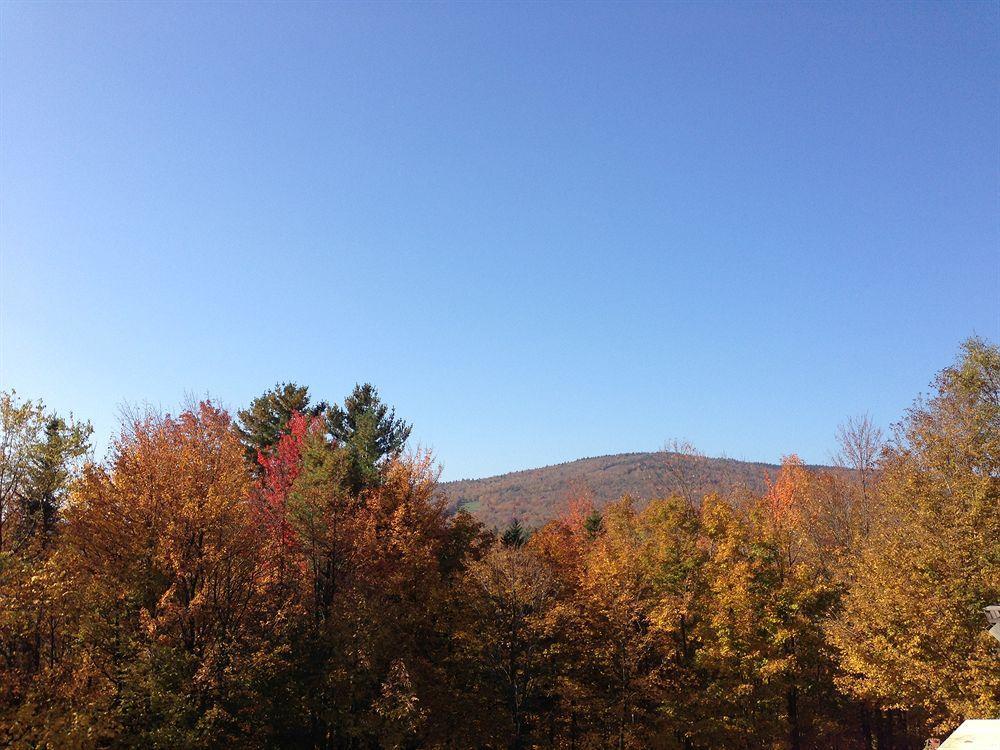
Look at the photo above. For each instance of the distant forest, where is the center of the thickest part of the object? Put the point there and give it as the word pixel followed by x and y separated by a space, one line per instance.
pixel 294 577
pixel 535 496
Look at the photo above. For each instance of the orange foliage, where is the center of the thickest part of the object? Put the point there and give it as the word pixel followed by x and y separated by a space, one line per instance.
pixel 168 522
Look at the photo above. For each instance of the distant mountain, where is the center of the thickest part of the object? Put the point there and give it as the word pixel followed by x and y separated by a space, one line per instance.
pixel 535 496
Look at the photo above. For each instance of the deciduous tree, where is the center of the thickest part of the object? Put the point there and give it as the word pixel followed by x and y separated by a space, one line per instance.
pixel 912 632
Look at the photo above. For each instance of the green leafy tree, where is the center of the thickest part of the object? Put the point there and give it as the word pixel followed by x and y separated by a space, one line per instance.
pixel 52 463
pixel 21 424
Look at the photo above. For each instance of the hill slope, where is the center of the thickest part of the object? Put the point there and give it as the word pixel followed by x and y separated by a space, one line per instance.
pixel 537 495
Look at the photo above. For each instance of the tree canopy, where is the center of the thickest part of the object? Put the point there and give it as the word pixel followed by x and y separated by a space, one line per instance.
pixel 296 580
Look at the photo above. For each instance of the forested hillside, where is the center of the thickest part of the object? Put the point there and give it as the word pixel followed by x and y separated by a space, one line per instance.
pixel 294 578
pixel 535 496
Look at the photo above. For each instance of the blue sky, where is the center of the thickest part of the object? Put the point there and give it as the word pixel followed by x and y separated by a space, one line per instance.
pixel 544 231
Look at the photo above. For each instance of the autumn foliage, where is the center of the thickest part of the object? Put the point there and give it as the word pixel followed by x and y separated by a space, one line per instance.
pixel 297 580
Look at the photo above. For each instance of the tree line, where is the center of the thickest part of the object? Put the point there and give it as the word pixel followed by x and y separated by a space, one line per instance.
pixel 292 578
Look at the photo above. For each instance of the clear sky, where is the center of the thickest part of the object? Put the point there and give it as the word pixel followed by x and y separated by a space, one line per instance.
pixel 544 231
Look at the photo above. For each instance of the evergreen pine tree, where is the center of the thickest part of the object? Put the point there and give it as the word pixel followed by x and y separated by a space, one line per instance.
pixel 261 425
pixel 370 432
pixel 514 535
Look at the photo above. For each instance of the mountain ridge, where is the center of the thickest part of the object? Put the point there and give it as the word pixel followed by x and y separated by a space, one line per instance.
pixel 536 495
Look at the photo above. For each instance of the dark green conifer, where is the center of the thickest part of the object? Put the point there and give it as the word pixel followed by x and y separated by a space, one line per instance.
pixel 514 535
pixel 370 432
pixel 261 425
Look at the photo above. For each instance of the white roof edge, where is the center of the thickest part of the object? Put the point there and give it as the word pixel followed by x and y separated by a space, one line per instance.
pixel 975 734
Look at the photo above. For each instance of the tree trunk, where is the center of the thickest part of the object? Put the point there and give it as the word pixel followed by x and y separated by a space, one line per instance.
pixel 794 733
pixel 866 729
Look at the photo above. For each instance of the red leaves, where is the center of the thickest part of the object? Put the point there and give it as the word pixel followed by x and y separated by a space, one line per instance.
pixel 282 464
